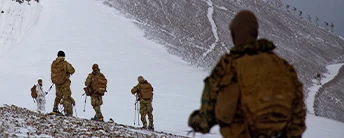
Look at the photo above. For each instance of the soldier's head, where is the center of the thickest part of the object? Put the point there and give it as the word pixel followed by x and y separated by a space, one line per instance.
pixel 244 28
pixel 140 79
pixel 61 54
pixel 40 82
pixel 95 67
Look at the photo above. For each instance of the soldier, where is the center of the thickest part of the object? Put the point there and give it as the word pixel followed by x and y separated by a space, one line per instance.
pixel 144 91
pixel 40 96
pixel 96 81
pixel 332 26
pixel 61 70
pixel 318 79
pixel 251 92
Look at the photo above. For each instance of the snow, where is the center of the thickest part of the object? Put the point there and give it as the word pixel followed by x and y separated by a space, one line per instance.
pixel 332 72
pixel 341 37
pixel 210 16
pixel 318 127
pixel 96 33
pixel 16 22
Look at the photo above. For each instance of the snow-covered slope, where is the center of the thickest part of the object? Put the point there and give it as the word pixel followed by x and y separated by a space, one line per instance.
pixel 16 22
pixel 89 32
pixel 198 31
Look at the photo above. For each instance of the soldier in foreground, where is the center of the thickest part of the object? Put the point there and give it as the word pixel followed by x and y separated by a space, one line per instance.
pixel 251 92
pixel 61 70
pixel 96 83
pixel 144 91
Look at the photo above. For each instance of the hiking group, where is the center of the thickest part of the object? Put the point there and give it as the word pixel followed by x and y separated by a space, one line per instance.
pixel 250 93
pixel 95 83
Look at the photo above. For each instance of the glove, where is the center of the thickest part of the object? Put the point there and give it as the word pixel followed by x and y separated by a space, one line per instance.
pixel 198 123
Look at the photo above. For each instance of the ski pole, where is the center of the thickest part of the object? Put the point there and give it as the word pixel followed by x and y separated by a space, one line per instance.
pixel 85 102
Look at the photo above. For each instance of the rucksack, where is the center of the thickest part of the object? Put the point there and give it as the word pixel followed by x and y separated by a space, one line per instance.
pixel 88 91
pixel 33 91
pixel 267 92
pixel 58 73
pixel 99 83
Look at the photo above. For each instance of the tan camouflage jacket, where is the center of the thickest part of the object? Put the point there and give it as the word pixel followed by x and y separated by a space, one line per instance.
pixel 89 79
pixel 144 90
pixel 68 67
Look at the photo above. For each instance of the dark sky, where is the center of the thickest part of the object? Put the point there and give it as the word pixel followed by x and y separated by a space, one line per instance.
pixel 331 11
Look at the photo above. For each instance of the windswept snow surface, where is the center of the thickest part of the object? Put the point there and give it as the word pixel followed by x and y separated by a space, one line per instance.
pixel 318 127
pixel 90 32
pixel 325 78
pixel 16 22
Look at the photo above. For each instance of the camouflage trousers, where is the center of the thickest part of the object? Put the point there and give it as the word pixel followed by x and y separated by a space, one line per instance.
pixel 64 93
pixel 146 108
pixel 96 102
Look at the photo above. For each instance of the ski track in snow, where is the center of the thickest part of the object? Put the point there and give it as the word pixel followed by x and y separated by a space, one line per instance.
pixel 331 74
pixel 210 15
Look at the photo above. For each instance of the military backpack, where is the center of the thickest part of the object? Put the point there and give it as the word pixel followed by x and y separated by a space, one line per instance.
pixel 33 91
pixel 99 84
pixel 58 73
pixel 267 91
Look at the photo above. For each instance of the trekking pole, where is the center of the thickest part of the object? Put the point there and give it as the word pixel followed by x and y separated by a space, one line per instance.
pixel 135 113
pixel 51 87
pixel 138 116
pixel 85 102
pixel 76 113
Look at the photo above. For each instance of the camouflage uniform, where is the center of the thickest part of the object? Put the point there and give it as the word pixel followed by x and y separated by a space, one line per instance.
pixel 96 99
pixel 64 91
pixel 146 108
pixel 229 114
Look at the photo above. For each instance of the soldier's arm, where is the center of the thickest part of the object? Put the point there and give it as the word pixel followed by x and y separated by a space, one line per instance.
pixel 297 126
pixel 209 95
pixel 70 68
pixel 135 89
pixel 204 119
pixel 88 80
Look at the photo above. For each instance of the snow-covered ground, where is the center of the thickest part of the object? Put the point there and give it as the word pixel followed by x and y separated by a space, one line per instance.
pixel 325 78
pixel 16 22
pixel 90 32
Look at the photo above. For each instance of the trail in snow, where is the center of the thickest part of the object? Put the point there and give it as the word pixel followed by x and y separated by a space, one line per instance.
pixel 213 27
pixel 332 72
pixel 16 22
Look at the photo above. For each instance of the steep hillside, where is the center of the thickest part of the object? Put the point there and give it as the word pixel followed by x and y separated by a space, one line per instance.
pixel 21 122
pixel 198 32
pixel 330 98
pixel 16 22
